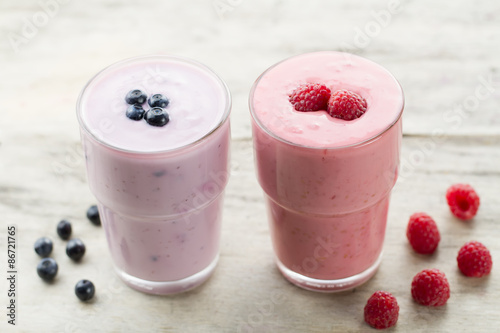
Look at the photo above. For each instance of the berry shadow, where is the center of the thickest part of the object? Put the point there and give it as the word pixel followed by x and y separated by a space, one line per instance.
pixel 414 258
pixel 90 302
pixel 55 280
pixel 451 225
pixel 471 285
pixel 430 317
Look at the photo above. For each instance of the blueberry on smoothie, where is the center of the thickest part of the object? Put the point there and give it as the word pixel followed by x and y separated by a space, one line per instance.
pixel 75 249
pixel 47 269
pixel 135 112
pixel 158 100
pixel 157 117
pixel 84 290
pixel 43 246
pixel 136 96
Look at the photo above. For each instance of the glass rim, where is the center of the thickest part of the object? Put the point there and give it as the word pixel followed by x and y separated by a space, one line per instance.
pixel 356 144
pixel 223 86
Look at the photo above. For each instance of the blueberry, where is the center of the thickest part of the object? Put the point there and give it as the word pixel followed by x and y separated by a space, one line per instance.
pixel 43 246
pixel 64 229
pixel 93 215
pixel 158 100
pixel 135 112
pixel 84 290
pixel 136 96
pixel 47 269
pixel 157 117
pixel 75 249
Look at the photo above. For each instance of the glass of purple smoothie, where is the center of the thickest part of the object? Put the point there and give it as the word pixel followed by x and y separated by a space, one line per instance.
pixel 159 186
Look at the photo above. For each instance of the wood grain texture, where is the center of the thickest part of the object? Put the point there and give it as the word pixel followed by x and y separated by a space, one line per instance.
pixel 441 52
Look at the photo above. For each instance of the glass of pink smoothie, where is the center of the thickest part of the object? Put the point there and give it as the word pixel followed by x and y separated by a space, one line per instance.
pixel 160 189
pixel 327 181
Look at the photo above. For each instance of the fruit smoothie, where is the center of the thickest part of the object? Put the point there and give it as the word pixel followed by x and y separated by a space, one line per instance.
pixel 158 175
pixel 327 181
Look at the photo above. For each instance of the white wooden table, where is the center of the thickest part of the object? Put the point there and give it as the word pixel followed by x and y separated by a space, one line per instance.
pixel 441 51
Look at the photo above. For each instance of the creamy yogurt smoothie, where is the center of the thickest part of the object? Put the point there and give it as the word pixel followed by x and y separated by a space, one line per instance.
pixel 327 180
pixel 159 185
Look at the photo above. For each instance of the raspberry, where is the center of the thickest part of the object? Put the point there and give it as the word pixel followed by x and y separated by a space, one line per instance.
pixel 347 105
pixel 310 97
pixel 474 259
pixel 423 233
pixel 430 287
pixel 381 310
pixel 463 201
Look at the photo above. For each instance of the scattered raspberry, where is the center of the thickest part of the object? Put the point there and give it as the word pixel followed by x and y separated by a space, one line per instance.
pixel 463 201
pixel 381 310
pixel 430 287
pixel 423 233
pixel 474 259
pixel 347 105
pixel 310 97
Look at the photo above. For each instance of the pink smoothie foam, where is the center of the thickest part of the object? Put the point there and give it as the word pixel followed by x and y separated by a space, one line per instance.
pixel 160 189
pixel 327 181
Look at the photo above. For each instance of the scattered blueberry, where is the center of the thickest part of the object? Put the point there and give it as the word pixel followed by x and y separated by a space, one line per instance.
pixel 75 249
pixel 84 290
pixel 135 112
pixel 43 247
pixel 158 100
pixel 47 269
pixel 93 215
pixel 64 229
pixel 157 117
pixel 136 96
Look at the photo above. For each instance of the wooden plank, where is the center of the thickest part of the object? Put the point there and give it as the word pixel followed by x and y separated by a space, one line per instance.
pixel 439 72
pixel 247 290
